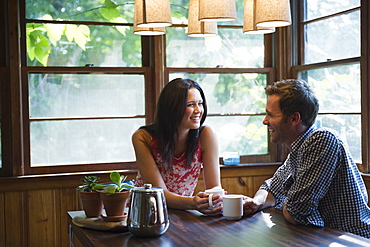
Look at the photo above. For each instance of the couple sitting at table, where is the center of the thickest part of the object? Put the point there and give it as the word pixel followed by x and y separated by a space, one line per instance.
pixel 318 184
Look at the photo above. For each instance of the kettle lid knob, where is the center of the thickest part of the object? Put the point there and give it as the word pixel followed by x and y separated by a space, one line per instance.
pixel 147 186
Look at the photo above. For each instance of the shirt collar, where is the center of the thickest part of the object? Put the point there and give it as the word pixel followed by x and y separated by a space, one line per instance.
pixel 298 142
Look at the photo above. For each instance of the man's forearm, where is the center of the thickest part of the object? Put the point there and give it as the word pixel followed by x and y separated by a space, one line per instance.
pixel 287 216
pixel 264 198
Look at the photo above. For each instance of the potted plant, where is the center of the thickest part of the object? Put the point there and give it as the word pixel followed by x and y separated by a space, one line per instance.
pixel 115 195
pixel 90 197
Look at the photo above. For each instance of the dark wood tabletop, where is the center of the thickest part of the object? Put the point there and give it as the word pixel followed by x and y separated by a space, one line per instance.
pixel 191 228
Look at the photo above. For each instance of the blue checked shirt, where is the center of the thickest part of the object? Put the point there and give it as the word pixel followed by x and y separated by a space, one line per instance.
pixel 321 185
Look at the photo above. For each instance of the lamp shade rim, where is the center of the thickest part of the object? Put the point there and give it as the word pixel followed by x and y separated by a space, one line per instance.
pixel 218 19
pixel 154 24
pixel 277 23
pixel 149 33
pixel 261 31
pixel 200 35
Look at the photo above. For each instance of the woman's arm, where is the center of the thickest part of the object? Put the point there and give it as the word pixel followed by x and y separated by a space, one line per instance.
pixel 211 166
pixel 150 173
pixel 211 170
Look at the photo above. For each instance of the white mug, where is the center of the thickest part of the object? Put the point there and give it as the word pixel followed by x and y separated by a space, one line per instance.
pixel 214 191
pixel 233 206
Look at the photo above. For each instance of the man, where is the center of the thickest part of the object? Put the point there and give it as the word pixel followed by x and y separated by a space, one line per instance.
pixel 319 183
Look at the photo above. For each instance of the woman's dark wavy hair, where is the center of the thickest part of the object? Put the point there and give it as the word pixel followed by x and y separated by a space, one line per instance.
pixel 295 96
pixel 170 110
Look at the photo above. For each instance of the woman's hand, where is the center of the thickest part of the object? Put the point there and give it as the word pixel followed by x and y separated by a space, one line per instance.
pixel 202 204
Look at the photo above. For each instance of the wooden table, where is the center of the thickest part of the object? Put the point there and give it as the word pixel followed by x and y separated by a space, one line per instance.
pixel 191 228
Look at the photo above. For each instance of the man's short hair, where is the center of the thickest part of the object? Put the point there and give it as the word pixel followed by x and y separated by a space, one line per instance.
pixel 295 96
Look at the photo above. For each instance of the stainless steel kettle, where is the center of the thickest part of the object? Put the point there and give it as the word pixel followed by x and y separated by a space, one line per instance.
pixel 147 215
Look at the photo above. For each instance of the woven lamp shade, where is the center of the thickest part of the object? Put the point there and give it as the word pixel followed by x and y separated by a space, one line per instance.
pixel 273 13
pixel 217 10
pixel 149 30
pixel 249 26
pixel 153 13
pixel 198 28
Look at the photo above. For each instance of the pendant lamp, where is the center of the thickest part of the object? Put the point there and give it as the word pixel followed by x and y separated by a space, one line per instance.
pixel 153 13
pixel 217 10
pixel 198 28
pixel 249 26
pixel 273 13
pixel 149 30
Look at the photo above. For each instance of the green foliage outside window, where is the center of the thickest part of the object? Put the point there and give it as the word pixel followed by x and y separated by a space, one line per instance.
pixel 45 40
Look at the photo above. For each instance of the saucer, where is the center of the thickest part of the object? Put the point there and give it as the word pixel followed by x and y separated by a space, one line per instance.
pixel 114 218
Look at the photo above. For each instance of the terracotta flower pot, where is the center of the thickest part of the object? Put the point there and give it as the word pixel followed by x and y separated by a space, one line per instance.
pixel 91 203
pixel 115 203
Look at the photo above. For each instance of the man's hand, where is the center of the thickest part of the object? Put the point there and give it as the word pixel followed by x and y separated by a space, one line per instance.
pixel 250 206
pixel 262 199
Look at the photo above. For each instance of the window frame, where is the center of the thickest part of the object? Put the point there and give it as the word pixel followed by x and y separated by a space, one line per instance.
pixel 16 122
pixel 298 65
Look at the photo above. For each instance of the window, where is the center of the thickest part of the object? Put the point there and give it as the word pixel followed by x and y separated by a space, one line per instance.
pixel 329 42
pixel 231 69
pixel 86 83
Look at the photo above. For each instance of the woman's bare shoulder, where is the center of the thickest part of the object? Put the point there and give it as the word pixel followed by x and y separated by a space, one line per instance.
pixel 208 135
pixel 141 135
pixel 207 130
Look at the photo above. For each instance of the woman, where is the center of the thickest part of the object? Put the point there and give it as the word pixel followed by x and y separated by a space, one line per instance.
pixel 171 152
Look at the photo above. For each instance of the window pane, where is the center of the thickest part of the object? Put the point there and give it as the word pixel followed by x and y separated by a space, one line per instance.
pixel 86 95
pixel 230 49
pixel 339 91
pixel 349 128
pixel 243 134
pixel 81 10
pixel 231 93
pixel 180 8
pixel 235 94
pixel 79 45
pixel 318 8
pixel 333 39
pixel 82 141
pixel 338 88
pixel 179 11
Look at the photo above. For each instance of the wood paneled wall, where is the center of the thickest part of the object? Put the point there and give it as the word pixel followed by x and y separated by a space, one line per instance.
pixel 33 209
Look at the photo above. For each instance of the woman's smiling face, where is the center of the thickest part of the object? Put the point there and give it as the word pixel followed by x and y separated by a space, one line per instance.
pixel 194 110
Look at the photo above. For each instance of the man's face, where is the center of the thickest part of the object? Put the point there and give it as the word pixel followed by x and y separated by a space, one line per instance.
pixel 274 119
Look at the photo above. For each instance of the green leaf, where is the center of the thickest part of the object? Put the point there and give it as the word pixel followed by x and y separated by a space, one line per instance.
pixel 82 36
pixel 54 32
pixel 122 29
pixel 47 17
pixel 111 188
pixel 42 50
pixel 30 49
pixel 110 4
pixel 109 13
pixel 98 187
pixel 70 32
pixel 115 177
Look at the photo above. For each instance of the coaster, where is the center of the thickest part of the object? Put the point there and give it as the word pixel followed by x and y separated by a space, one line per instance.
pixel 101 225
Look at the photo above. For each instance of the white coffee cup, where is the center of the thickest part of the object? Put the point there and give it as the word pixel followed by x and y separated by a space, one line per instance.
pixel 214 191
pixel 233 206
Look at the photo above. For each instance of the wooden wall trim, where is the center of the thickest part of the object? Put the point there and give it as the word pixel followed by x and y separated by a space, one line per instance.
pixel 55 181
pixel 365 88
